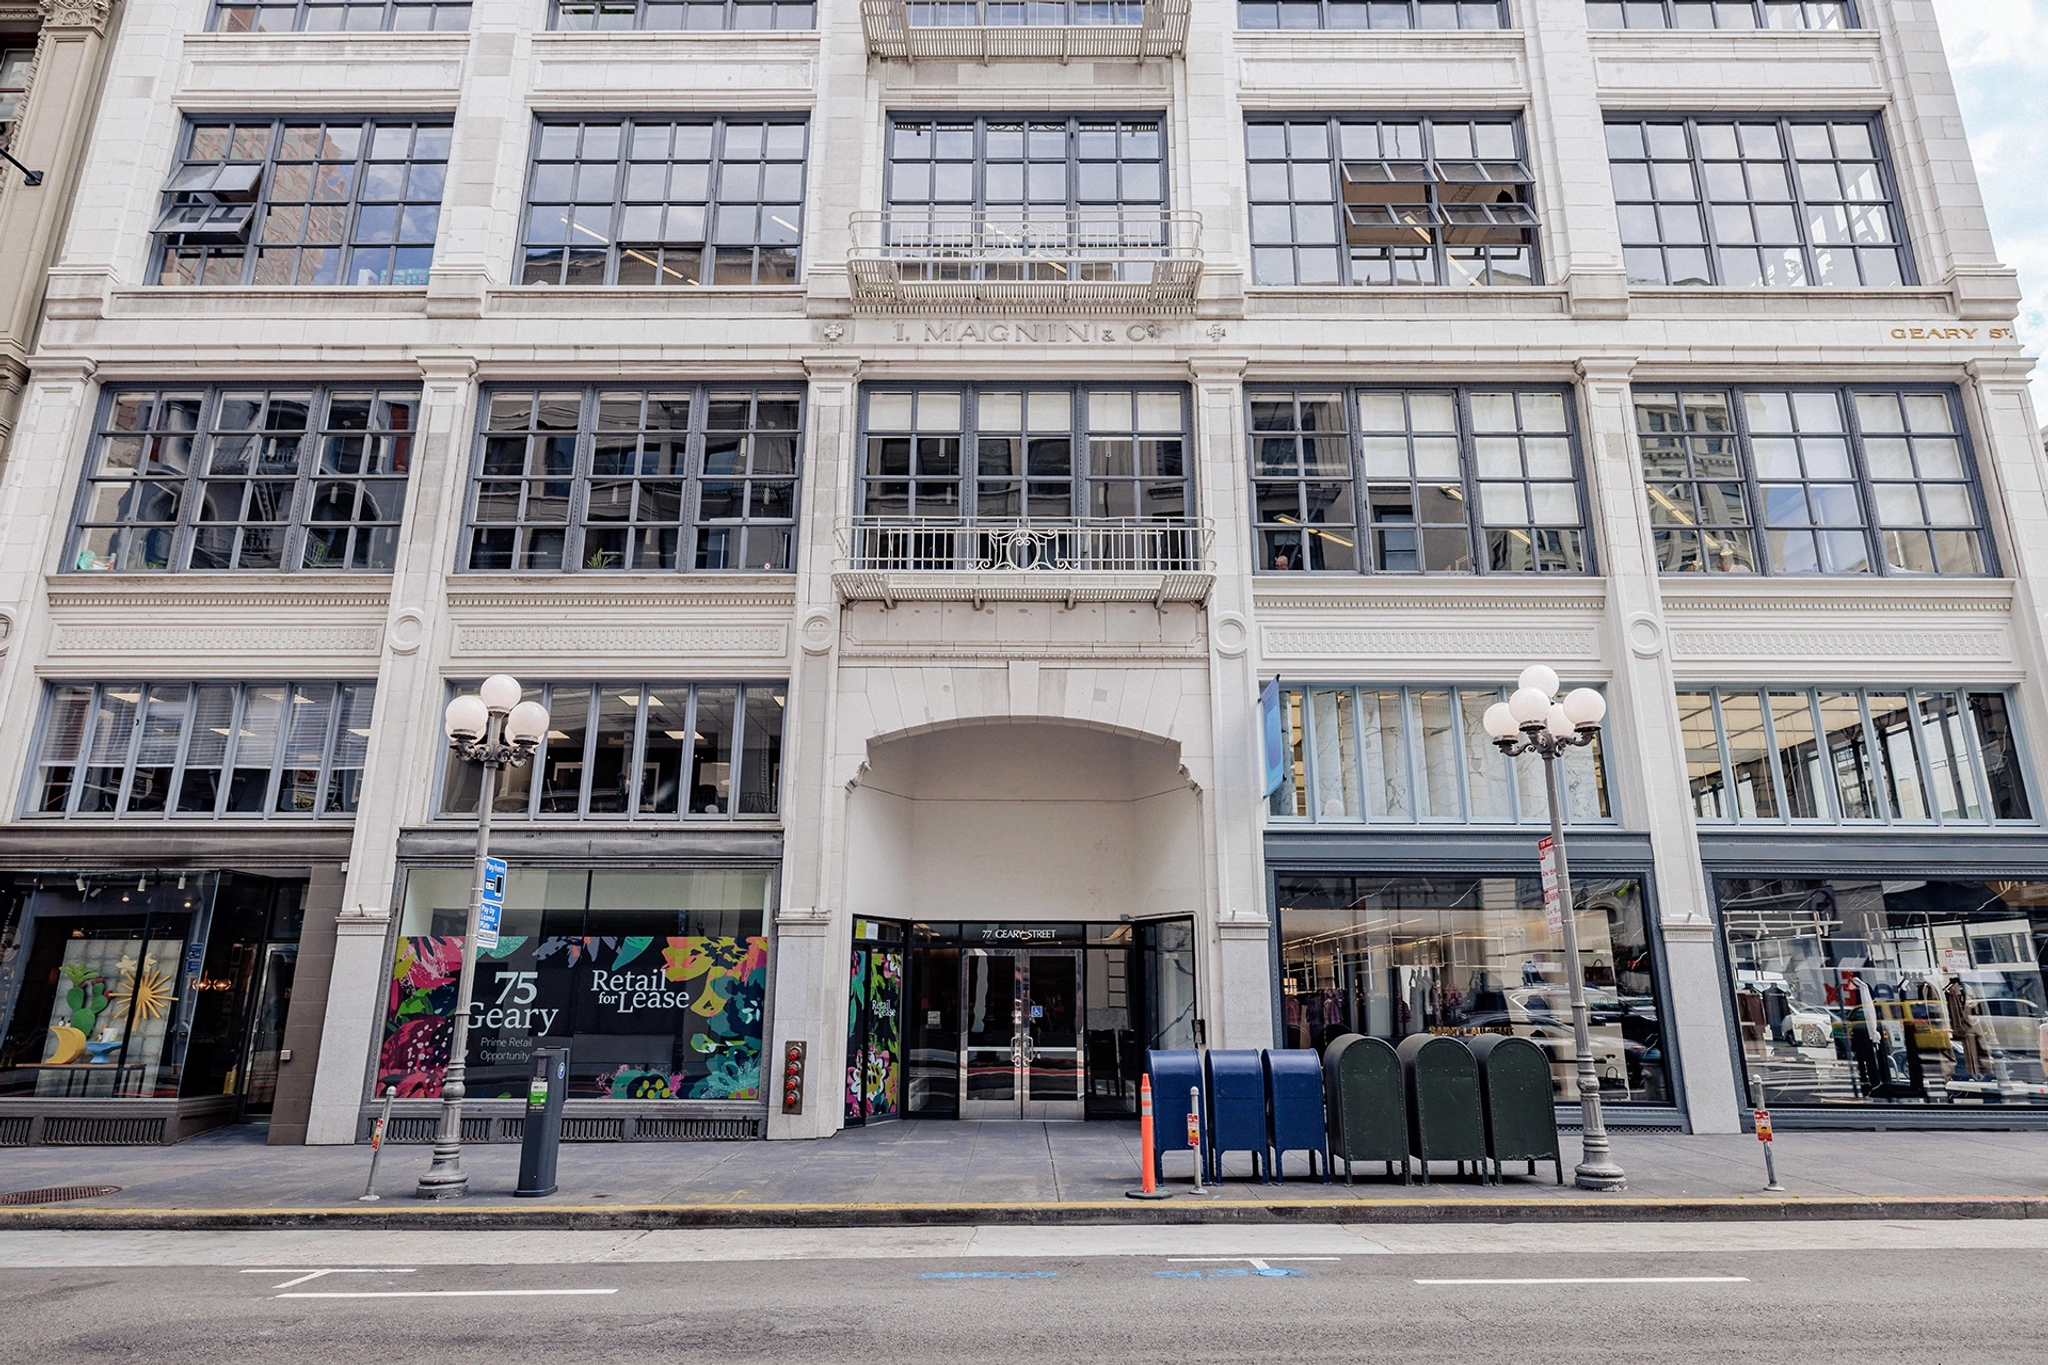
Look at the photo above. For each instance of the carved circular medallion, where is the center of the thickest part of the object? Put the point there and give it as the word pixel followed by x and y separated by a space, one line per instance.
pixel 1645 635
pixel 1230 634
pixel 407 629
pixel 817 633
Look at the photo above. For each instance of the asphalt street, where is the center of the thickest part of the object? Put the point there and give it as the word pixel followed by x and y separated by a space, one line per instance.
pixel 1934 1291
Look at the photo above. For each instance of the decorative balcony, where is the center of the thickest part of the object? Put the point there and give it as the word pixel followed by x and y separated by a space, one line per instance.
pixel 891 560
pixel 1028 30
pixel 1103 260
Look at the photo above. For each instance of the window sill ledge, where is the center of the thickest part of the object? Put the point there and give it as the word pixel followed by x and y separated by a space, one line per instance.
pixel 128 591
pixel 266 300
pixel 1436 594
pixel 1838 594
pixel 1912 303
pixel 1407 300
pixel 779 300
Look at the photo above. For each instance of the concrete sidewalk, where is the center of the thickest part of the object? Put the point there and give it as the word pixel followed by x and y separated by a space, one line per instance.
pixel 936 1172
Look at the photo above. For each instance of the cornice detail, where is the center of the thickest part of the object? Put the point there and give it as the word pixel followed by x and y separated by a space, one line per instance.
pixel 1841 644
pixel 622 639
pixel 263 640
pixel 625 601
pixel 1493 644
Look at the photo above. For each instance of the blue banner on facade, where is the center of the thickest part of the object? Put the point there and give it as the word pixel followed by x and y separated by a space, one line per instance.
pixel 1276 749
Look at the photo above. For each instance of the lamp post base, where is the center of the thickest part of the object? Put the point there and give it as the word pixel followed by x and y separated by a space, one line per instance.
pixel 445 1179
pixel 1599 1175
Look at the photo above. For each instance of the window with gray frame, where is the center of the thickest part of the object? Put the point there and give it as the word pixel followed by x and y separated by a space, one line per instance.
pixel 672 201
pixel 303 201
pixel 1358 14
pixel 201 749
pixel 251 479
pixel 1026 452
pixel 640 752
pixel 1783 202
pixel 1038 195
pixel 340 16
pixel 1811 481
pixel 1738 14
pixel 636 479
pixel 698 16
pixel 1356 200
pixel 1417 481
pixel 1418 755
pixel 1850 755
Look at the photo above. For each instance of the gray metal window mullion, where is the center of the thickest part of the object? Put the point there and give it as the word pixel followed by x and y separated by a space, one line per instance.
pixel 1411 752
pixel 184 749
pixel 1866 489
pixel 1458 759
pixel 538 763
pixel 136 727
pixel 687 768
pixel 1806 246
pixel 635 756
pixel 1357 696
pixel 1922 758
pixel 1589 536
pixel 1752 486
pixel 368 130
pixel 1335 133
pixel 736 766
pixel 593 708
pixel 1880 784
pixel 1980 777
pixel 1354 449
pixel 83 762
pixel 1710 236
pixel 1468 459
pixel 1309 765
pixel 1831 796
pixel 1728 796
pixel 579 480
pixel 1774 755
pixel 298 521
pixel 231 751
pixel 186 530
pixel 324 765
pixel 1959 418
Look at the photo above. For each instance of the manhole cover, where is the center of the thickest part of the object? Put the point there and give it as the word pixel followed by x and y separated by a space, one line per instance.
pixel 57 1194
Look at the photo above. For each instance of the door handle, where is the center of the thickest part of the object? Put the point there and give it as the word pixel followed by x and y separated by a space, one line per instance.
pixel 1021 1050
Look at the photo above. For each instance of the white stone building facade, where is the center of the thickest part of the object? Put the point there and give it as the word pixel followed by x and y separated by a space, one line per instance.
pixel 944 733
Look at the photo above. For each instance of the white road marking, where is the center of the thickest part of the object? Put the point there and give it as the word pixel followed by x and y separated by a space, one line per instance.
pixel 439 1293
pixel 1611 1279
pixel 307 1248
pixel 331 1270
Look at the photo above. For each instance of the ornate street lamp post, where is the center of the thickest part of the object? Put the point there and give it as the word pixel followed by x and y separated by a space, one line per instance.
pixel 498 730
pixel 1533 721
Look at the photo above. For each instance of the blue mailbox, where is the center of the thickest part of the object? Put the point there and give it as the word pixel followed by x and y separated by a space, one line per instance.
pixel 1237 1109
pixel 1294 1104
pixel 1174 1074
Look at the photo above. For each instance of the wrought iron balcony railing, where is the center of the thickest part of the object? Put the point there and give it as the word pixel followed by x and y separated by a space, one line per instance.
pixel 1110 258
pixel 1133 546
pixel 1032 30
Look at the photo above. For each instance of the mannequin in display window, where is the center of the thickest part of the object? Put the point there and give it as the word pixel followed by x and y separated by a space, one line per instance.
pixel 1956 1000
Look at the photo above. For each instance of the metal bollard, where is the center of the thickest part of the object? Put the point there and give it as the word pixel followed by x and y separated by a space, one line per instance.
pixel 1195 1134
pixel 1762 1117
pixel 369 1193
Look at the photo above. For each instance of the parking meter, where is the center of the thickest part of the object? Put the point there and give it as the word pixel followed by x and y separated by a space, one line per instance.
pixel 541 1142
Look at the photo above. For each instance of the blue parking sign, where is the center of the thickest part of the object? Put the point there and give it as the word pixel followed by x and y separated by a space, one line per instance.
pixel 493 908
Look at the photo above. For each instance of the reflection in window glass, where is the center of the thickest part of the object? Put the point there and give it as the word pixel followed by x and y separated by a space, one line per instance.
pixel 628 751
pixel 1438 733
pixel 696 16
pixel 1395 956
pixel 340 16
pixel 1724 14
pixel 1885 752
pixel 160 749
pixel 1896 991
pixel 1379 14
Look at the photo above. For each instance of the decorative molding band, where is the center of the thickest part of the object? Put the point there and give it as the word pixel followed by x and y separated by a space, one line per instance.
pixel 1436 606
pixel 939 656
pixel 1503 645
pixel 1906 599
pixel 622 639
pixel 627 601
pixel 157 599
pixel 213 639
pixel 1874 644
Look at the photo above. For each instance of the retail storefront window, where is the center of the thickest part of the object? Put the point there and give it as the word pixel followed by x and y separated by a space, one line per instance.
pixel 1408 755
pixel 633 751
pixel 1914 755
pixel 654 980
pixel 147 986
pixel 1391 956
pixel 201 749
pixel 1381 14
pixel 1889 990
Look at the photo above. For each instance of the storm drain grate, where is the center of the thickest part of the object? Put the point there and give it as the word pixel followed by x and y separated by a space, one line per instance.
pixel 57 1194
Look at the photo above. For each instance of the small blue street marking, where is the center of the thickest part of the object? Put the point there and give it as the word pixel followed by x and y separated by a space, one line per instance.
pixel 989 1275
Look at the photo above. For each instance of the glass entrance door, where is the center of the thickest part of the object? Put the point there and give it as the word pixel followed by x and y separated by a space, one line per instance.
pixel 1020 1026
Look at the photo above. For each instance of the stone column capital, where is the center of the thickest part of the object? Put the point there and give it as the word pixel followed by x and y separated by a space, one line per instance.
pixel 85 14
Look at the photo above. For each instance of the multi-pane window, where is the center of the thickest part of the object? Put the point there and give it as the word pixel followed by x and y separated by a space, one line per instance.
pixel 201 749
pixel 665 201
pixel 646 480
pixel 1426 14
pixel 1787 14
pixel 1792 481
pixel 340 16
pixel 1417 480
pixel 1030 197
pixel 303 201
pixel 1749 202
pixel 701 16
pixel 639 752
pixel 1407 755
pixel 1848 755
pixel 225 478
pixel 15 63
pixel 1363 201
pixel 1024 452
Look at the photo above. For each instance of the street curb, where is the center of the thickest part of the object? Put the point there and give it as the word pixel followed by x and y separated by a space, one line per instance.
pixel 1181 1212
